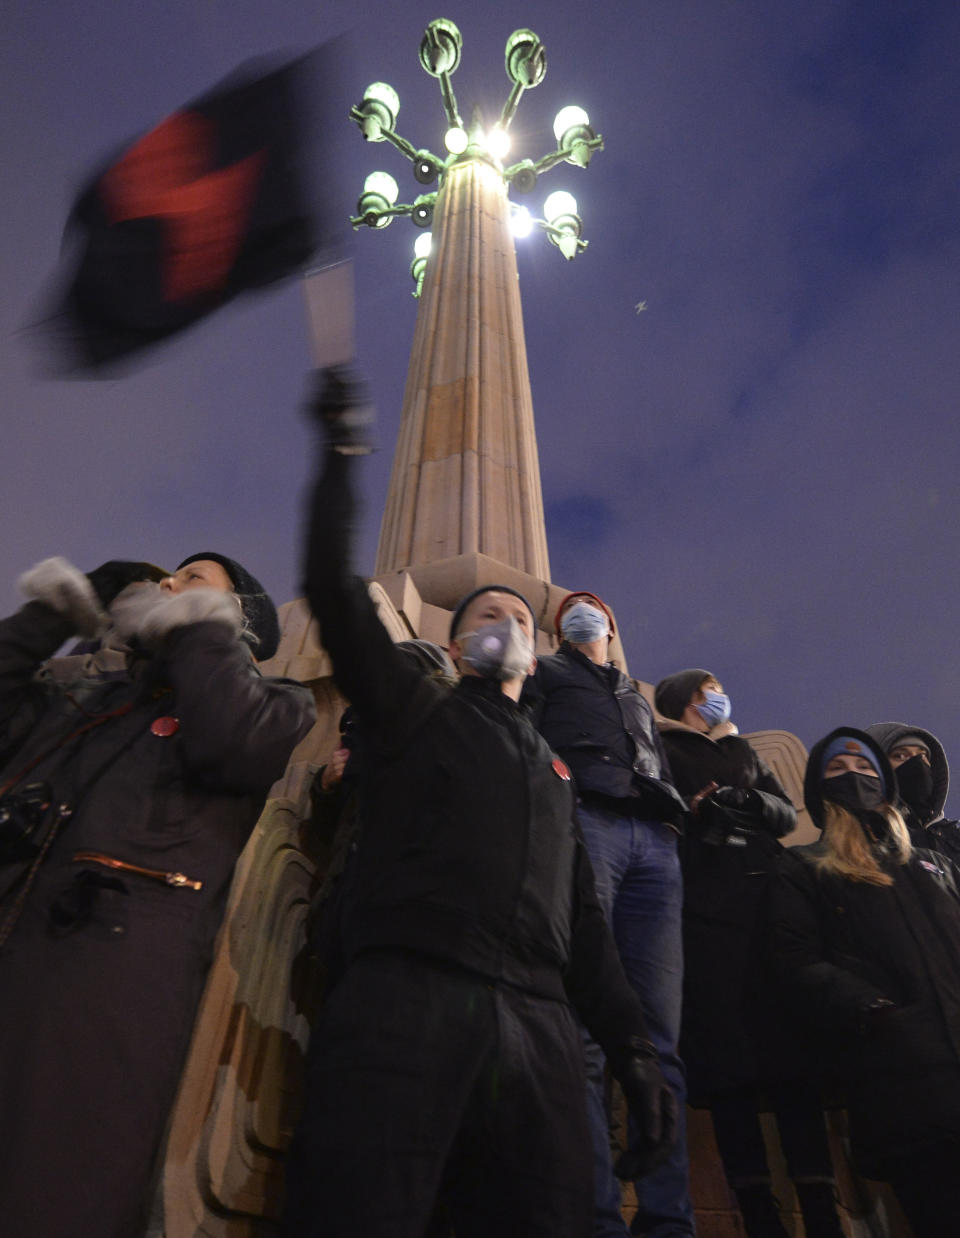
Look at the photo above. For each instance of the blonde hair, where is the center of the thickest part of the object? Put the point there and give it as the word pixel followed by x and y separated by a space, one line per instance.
pixel 849 851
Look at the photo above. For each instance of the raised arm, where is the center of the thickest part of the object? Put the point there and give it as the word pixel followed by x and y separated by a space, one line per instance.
pixel 64 602
pixel 368 669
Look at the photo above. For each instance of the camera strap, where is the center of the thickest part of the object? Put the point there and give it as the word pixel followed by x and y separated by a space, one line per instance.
pixel 99 720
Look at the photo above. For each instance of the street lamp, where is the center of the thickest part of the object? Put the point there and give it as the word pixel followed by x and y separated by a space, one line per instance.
pixel 421 252
pixel 378 108
pixel 563 225
pixel 439 56
pixel 525 60
pixel 575 138
pixel 375 205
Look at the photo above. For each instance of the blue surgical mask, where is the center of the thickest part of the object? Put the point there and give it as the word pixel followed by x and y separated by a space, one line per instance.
pixel 583 623
pixel 715 709
pixel 497 651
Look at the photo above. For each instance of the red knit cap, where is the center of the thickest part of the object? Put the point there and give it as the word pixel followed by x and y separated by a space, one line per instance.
pixel 582 593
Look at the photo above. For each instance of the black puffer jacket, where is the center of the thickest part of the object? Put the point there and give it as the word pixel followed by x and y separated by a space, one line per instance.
pixel 927 825
pixel 604 729
pixel 469 850
pixel 839 947
pixel 729 1035
pixel 102 972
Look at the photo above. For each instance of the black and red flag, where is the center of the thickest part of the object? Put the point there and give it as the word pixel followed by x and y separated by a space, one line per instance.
pixel 213 201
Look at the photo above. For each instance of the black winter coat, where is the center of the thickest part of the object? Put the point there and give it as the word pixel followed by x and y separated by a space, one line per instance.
pixel 102 972
pixel 730 1034
pixel 839 946
pixel 942 835
pixel 469 852
pixel 604 730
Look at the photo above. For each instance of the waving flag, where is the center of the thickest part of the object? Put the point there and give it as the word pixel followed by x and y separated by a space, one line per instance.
pixel 211 202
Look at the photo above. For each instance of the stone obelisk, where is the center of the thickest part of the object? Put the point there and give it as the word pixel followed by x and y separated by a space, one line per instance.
pixel 466 478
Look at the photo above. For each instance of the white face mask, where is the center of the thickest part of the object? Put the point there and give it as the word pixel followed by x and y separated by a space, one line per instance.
pixel 497 651
pixel 582 624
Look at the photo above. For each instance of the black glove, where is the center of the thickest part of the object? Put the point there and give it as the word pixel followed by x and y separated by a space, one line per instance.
pixel 341 403
pixel 725 810
pixel 652 1106
pixel 112 578
pixel 731 797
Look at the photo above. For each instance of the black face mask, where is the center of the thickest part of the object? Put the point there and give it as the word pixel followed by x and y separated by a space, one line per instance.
pixel 915 784
pixel 858 793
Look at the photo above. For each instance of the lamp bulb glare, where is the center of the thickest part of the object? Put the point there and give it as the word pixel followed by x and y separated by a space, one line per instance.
pixel 498 142
pixel 383 184
pixel 521 222
pixel 455 140
pixel 569 118
pixel 559 203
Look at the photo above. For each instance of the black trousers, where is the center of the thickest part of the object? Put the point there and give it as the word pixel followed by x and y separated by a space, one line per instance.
pixel 803 1133
pixel 426 1085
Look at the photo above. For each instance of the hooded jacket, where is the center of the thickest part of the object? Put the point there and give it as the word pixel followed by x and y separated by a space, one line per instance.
pixel 927 825
pixel 874 972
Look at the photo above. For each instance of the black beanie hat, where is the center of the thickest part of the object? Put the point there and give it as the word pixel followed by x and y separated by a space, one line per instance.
pixel 259 612
pixel 465 602
pixel 673 694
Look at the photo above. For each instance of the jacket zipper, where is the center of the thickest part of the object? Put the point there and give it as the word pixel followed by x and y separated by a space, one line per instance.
pixel 156 874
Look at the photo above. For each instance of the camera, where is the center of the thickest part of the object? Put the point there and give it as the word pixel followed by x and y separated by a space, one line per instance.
pixel 22 816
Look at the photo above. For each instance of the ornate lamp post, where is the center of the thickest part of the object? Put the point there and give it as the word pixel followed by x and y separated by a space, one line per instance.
pixel 526 65
pixel 465 493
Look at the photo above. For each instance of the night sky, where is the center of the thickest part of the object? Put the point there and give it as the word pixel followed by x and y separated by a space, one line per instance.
pixel 757 471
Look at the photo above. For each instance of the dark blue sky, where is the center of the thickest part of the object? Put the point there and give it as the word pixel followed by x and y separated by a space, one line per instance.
pixel 758 471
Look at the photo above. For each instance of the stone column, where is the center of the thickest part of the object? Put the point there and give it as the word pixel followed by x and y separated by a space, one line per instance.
pixel 466 477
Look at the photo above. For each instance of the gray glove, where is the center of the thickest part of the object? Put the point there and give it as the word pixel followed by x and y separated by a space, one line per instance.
pixel 68 591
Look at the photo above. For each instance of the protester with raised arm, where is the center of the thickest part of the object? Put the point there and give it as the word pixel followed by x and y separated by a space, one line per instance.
pixel 446 1065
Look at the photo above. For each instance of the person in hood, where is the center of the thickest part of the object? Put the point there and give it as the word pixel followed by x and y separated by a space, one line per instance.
pixel 923 780
pixel 739 1054
pixel 446 1062
pixel 131 775
pixel 865 932
pixel 630 813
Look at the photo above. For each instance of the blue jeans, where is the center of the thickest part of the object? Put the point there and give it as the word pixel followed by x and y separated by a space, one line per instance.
pixel 640 888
